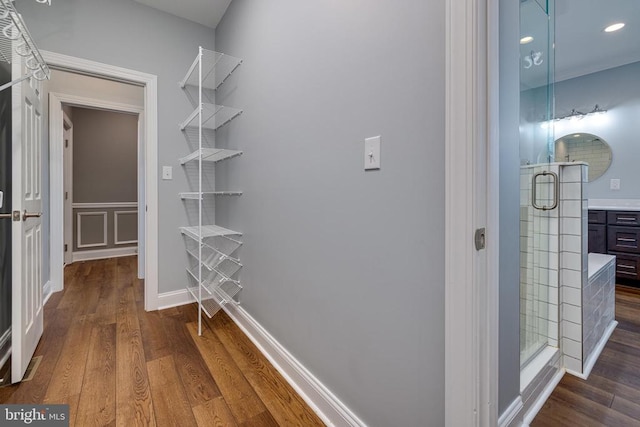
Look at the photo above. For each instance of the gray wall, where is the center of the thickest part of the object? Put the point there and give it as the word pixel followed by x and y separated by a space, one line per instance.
pixel 131 35
pixel 344 267
pixel 105 170
pixel 5 186
pixel 105 156
pixel 509 117
pixel 618 91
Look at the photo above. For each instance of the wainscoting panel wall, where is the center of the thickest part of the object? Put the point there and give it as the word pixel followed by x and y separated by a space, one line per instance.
pixel 104 226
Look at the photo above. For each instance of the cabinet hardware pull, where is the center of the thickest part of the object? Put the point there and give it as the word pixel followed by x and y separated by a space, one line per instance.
pixel 629 267
pixel 626 218
pixel 625 239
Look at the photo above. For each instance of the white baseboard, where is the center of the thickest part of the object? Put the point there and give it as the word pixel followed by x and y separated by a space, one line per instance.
pixel 47 290
pixel 174 299
pixel 328 407
pixel 540 401
pixel 588 366
pixel 323 402
pixel 104 253
pixel 511 412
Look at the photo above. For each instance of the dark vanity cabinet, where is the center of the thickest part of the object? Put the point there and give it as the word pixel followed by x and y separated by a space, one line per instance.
pixel 617 233
pixel 623 237
pixel 597 232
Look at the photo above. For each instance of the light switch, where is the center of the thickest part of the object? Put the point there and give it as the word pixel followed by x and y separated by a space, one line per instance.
pixel 372 153
pixel 167 172
pixel 615 184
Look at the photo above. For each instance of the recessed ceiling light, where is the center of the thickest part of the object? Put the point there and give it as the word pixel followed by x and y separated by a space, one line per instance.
pixel 614 27
pixel 577 135
pixel 526 39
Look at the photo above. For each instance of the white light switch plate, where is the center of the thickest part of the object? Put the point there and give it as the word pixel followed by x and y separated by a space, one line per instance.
pixel 372 153
pixel 167 172
pixel 615 184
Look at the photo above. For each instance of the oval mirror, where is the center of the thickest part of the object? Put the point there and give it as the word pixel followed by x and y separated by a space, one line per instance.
pixel 585 147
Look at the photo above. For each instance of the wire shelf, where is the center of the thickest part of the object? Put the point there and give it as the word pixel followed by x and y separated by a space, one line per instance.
pixel 216 69
pixel 211 155
pixel 209 303
pixel 16 42
pixel 197 196
pixel 213 116
pixel 207 232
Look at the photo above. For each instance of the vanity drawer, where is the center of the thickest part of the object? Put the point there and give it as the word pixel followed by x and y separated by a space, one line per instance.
pixel 597 217
pixel 623 218
pixel 627 266
pixel 623 239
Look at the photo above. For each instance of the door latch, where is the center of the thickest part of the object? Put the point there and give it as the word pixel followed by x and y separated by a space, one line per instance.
pixel 480 238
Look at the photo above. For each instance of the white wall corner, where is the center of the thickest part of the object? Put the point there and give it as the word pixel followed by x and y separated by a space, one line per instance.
pixel 324 403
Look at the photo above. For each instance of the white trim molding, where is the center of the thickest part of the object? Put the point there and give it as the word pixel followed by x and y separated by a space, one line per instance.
pixel 104 253
pixel 510 414
pixel 116 241
pixel 174 299
pixel 471 200
pixel 324 403
pixel 79 243
pixel 149 174
pixel 106 205
pixel 47 291
pixel 542 398
pixel 591 361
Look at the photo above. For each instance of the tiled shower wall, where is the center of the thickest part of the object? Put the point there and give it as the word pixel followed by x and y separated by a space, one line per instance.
pixel 573 261
pixel 598 297
pixel 538 264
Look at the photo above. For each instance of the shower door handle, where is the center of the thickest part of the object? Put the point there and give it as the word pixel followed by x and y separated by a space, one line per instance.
pixel 556 191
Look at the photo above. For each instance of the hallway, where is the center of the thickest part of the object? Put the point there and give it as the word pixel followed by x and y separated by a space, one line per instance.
pixel 116 364
pixel 611 395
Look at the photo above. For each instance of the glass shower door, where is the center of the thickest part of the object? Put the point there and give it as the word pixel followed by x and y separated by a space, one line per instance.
pixel 538 183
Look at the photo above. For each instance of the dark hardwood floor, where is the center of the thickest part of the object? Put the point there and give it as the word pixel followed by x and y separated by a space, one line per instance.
pixel 116 364
pixel 611 395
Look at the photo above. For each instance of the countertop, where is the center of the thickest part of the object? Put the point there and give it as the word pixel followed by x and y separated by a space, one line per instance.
pixel 615 204
pixel 597 261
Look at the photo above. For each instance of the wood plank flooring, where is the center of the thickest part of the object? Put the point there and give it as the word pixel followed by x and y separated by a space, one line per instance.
pixel 117 365
pixel 611 395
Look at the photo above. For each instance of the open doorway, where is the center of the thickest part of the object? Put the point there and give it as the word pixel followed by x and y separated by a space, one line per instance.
pixel 111 91
pixel 100 183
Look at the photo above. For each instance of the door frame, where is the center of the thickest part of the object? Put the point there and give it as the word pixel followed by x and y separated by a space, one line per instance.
pixel 68 178
pixel 148 127
pixel 471 202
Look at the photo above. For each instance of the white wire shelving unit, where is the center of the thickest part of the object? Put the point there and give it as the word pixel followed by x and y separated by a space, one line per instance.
pixel 16 42
pixel 213 266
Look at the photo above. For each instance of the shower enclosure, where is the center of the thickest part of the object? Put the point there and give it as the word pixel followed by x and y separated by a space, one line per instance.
pixel 538 183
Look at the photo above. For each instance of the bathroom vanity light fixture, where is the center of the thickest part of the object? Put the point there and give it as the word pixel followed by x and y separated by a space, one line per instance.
pixel 579 115
pixel 614 27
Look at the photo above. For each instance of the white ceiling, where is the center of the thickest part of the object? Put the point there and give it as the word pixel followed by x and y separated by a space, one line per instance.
pixel 581 45
pixel 205 12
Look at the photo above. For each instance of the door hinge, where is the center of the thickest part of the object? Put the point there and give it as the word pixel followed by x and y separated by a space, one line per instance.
pixel 66 247
pixel 480 238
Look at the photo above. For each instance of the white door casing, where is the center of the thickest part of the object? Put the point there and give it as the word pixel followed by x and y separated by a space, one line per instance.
pixel 67 137
pixel 27 313
pixel 149 124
